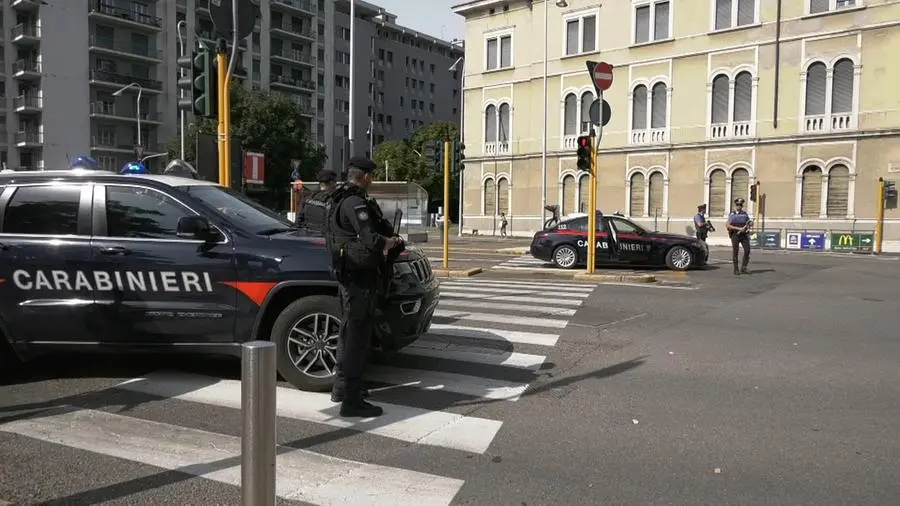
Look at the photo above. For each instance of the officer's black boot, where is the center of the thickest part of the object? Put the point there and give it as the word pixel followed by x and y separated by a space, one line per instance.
pixel 337 395
pixel 356 406
pixel 736 271
pixel 744 270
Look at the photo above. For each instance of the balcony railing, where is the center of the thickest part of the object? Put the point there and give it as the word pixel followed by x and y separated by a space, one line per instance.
pixel 28 137
pixel 736 129
pixel 289 28
pixel 650 136
pixel 124 79
pixel 24 30
pixel 112 45
pixel 303 5
pixel 299 83
pixel 26 66
pixel 293 55
pixel 107 9
pixel 496 148
pixel 836 122
pixel 27 101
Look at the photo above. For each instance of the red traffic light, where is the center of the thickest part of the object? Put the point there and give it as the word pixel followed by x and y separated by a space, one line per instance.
pixel 584 141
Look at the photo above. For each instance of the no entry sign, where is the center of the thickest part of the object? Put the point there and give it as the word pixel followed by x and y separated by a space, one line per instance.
pixel 602 75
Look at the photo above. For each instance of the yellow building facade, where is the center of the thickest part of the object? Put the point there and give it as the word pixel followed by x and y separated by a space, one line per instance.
pixel 709 97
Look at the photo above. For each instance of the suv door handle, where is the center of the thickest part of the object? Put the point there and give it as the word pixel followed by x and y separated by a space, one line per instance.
pixel 115 250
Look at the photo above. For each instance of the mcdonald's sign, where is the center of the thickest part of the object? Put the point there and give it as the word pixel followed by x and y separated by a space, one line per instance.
pixel 845 240
pixel 860 242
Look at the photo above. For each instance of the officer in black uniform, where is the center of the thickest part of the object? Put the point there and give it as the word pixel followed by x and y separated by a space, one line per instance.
pixel 314 213
pixel 359 239
pixel 738 226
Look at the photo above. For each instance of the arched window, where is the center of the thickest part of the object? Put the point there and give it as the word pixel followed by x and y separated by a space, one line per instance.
pixel 743 96
pixel 657 194
pixel 639 108
pixel 717 200
pixel 636 204
pixel 584 186
pixel 842 87
pixel 811 192
pixel 658 105
pixel 720 95
pixel 570 121
pixel 503 131
pixel 569 193
pixel 490 124
pixel 503 196
pixel 489 197
pixel 740 185
pixel 587 98
pixel 837 201
pixel 816 78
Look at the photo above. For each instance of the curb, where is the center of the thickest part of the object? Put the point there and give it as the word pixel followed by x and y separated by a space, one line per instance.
pixel 620 278
pixel 456 273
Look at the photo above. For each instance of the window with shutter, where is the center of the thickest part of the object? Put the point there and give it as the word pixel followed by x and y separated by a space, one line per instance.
pixel 503 196
pixel 568 190
pixel 746 12
pixel 811 192
pixel 740 185
pixel 837 200
pixel 490 124
pixel 571 115
pixel 815 89
pixel 639 108
pixel 587 98
pixel 723 14
pixel 817 6
pixel 572 37
pixel 656 194
pixel 661 21
pixel 642 24
pixel 717 205
pixel 743 96
pixel 720 100
pixel 505 52
pixel 503 134
pixel 584 185
pixel 490 192
pixel 658 106
pixel 842 87
pixel 636 206
pixel 589 34
pixel 492 54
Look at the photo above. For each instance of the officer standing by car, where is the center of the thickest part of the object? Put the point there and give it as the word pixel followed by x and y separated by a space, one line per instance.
pixel 314 213
pixel 358 243
pixel 701 225
pixel 738 226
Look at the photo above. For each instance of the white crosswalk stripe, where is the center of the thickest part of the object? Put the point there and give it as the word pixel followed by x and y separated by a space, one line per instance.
pixel 524 262
pixel 487 342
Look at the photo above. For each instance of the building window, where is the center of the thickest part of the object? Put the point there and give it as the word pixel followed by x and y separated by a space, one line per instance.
pixel 489 198
pixel 651 21
pixel 831 98
pixel 499 52
pixel 837 199
pixel 811 192
pixel 584 185
pixel 820 6
pixel 740 185
pixel 636 198
pixel 731 106
pixel 503 196
pixel 649 113
pixel 718 205
pixel 733 13
pixel 496 129
pixel 581 34
pixel 656 199
pixel 576 116
pixel 569 193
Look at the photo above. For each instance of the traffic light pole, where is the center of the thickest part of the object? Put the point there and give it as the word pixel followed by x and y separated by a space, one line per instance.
pixel 592 209
pixel 221 73
pixel 879 218
pixel 446 235
pixel 757 205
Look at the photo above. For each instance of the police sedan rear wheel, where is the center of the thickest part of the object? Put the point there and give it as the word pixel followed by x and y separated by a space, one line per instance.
pixel 679 258
pixel 565 256
pixel 306 333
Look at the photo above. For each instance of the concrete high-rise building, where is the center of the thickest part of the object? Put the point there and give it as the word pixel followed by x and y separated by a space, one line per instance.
pixel 74 70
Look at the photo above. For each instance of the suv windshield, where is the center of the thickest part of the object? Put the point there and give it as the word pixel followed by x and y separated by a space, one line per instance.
pixel 237 208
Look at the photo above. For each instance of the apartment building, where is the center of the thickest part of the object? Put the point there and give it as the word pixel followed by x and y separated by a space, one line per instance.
pixel 709 97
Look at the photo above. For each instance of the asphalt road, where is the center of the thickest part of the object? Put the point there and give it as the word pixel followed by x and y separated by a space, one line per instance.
pixel 778 387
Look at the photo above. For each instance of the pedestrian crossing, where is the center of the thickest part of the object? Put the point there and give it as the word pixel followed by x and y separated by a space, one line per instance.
pixel 488 341
pixel 524 262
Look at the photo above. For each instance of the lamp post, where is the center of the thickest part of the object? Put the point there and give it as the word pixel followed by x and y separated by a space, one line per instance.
pixel 371 133
pixel 352 123
pixel 181 50
pixel 139 149
pixel 459 65
pixel 560 4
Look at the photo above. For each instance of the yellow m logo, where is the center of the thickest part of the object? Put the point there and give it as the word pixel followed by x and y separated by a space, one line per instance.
pixel 845 240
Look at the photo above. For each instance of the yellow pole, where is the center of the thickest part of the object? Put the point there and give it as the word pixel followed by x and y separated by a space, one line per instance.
pixel 221 69
pixel 592 210
pixel 879 218
pixel 225 91
pixel 447 148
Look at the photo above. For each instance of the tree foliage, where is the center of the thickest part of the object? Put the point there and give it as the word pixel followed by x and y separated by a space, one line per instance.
pixel 265 122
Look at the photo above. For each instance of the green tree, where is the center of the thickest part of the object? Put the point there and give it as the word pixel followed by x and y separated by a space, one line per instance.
pixel 395 161
pixel 432 178
pixel 265 122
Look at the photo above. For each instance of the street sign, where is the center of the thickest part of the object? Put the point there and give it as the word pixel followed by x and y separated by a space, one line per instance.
pixel 596 108
pixel 814 241
pixel 601 75
pixel 222 17
pixel 852 242
pixel 254 168
pixel 793 240
pixel 767 239
pixel 866 242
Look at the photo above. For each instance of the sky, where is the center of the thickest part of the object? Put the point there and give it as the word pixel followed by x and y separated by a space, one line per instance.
pixel 433 17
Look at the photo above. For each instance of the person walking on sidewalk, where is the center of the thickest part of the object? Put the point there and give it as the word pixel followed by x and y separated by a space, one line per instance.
pixel 503 224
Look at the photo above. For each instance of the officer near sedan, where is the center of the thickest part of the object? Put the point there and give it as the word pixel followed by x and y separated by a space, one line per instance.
pixel 702 226
pixel 738 226
pixel 359 239
pixel 314 213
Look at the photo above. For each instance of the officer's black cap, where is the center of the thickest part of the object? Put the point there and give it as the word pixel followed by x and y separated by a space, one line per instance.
pixel 326 176
pixel 361 163
pixel 739 201
pixel 701 206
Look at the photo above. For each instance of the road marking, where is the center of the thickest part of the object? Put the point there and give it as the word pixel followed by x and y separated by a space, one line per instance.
pixel 300 474
pixel 550 294
pixel 473 386
pixel 651 285
pixel 414 425
pixel 510 298
pixel 509 336
pixel 503 319
pixel 509 307
pixel 448 351
pixel 578 287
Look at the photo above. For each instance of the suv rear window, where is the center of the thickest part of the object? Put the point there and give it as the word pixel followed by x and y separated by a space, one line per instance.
pixel 43 210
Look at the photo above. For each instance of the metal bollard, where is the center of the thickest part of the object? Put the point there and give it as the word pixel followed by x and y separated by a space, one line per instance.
pixel 258 379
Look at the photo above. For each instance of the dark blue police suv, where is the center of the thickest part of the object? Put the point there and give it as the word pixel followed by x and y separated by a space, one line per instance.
pixel 92 261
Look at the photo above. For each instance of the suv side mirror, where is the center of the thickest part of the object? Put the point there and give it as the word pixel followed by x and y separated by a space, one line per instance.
pixel 194 227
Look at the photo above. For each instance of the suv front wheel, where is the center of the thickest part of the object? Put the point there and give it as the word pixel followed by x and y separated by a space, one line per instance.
pixel 306 334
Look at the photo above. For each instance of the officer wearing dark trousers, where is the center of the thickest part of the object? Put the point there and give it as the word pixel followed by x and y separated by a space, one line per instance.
pixel 358 244
pixel 314 213
pixel 738 225
pixel 701 225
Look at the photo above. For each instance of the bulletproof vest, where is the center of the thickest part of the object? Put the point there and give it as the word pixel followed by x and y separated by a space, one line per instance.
pixel 314 215
pixel 346 251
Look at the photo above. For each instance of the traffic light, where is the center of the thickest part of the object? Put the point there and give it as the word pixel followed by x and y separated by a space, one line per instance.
pixel 584 153
pixel 890 194
pixel 432 154
pixel 459 155
pixel 186 82
pixel 753 192
pixel 205 84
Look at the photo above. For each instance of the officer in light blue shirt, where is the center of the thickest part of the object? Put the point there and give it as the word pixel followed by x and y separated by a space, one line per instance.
pixel 701 226
pixel 738 226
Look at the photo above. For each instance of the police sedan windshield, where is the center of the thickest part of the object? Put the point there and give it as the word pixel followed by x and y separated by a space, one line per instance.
pixel 240 209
